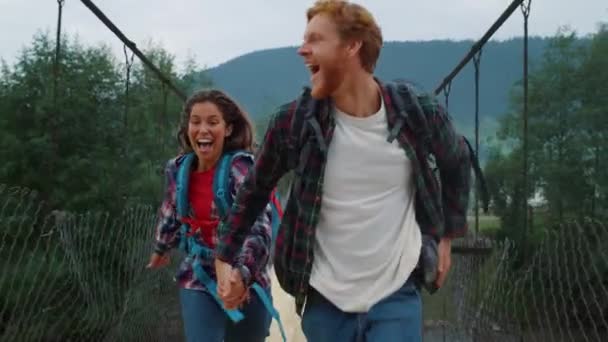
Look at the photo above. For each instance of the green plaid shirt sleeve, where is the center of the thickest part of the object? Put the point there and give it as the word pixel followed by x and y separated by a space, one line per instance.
pixel 453 161
pixel 253 196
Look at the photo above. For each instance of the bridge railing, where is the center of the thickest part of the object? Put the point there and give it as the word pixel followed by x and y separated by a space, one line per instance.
pixel 494 293
pixel 80 277
pixel 72 276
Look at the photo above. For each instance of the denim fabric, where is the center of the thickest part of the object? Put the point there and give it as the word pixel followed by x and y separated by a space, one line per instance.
pixel 205 321
pixel 396 318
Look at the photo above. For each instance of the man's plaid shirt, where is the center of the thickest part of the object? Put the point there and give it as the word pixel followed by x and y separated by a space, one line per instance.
pixel 440 210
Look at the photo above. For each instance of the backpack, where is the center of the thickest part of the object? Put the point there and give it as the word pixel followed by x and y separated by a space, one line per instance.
pixel 417 122
pixel 223 198
pixel 223 201
pixel 410 112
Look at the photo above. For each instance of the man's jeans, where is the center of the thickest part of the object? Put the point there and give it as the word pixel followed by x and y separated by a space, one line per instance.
pixel 205 321
pixel 396 318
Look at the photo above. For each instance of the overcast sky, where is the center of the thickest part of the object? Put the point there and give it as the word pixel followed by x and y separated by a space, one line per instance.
pixel 216 31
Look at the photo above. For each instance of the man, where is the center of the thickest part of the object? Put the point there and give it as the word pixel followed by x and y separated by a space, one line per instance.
pixel 353 227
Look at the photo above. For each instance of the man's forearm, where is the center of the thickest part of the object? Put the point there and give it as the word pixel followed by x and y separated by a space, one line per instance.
pixel 254 193
pixel 249 203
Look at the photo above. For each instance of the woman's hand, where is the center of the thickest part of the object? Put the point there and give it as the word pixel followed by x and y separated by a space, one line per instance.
pixel 231 287
pixel 158 261
pixel 238 293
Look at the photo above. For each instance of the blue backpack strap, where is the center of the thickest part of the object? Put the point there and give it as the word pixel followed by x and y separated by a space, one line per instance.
pixel 221 185
pixel 221 181
pixel 234 315
pixel 223 197
pixel 182 182
pixel 267 301
pixel 188 244
pixel 181 195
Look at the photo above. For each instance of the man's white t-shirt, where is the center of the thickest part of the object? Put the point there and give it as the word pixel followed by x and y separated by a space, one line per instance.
pixel 367 240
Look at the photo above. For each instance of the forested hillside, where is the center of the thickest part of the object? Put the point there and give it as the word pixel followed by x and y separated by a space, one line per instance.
pixel 262 80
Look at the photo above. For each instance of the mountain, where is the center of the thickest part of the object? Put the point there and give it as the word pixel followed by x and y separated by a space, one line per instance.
pixel 264 79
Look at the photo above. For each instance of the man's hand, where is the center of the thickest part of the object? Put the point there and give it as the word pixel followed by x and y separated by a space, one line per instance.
pixel 158 261
pixel 230 285
pixel 445 260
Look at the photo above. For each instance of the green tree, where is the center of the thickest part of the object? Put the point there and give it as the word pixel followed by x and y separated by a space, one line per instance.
pixel 594 107
pixel 567 136
pixel 85 148
pixel 61 143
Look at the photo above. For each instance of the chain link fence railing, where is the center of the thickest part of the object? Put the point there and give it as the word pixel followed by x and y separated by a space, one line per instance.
pixel 68 277
pixel 82 277
pixel 556 293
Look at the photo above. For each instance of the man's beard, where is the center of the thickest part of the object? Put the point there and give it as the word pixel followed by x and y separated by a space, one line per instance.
pixel 330 78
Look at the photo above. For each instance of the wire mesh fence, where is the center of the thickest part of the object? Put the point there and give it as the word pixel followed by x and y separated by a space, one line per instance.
pixel 557 293
pixel 68 277
pixel 82 277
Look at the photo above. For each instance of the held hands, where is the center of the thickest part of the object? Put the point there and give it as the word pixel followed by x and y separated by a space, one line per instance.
pixel 445 261
pixel 230 285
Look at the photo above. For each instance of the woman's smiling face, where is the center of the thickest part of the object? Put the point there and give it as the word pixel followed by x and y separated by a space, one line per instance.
pixel 207 130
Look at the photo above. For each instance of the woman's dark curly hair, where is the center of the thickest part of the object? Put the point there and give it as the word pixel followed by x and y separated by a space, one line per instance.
pixel 242 130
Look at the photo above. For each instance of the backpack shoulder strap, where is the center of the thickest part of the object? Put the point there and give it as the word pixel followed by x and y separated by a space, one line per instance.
pixel 406 102
pixel 300 112
pixel 182 182
pixel 303 123
pixel 409 112
pixel 223 197
pixel 304 119
pixel 221 181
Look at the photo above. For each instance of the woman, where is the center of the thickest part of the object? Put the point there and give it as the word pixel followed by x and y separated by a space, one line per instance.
pixel 213 126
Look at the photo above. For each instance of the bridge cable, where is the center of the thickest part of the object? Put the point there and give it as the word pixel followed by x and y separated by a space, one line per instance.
pixel 110 25
pixel 52 119
pixel 128 67
pixel 525 9
pixel 446 95
pixel 481 42
pixel 60 4
pixel 476 62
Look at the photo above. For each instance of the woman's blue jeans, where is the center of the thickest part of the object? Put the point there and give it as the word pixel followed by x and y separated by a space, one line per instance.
pixel 205 321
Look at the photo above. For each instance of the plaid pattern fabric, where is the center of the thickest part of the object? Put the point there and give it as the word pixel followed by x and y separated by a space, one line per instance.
pixel 252 258
pixel 438 213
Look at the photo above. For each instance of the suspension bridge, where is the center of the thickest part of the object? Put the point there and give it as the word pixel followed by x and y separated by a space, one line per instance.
pixel 80 276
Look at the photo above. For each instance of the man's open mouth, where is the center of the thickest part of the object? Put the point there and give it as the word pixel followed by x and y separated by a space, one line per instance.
pixel 314 68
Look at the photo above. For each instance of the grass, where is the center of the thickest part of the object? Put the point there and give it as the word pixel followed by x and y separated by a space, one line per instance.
pixel 489 225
